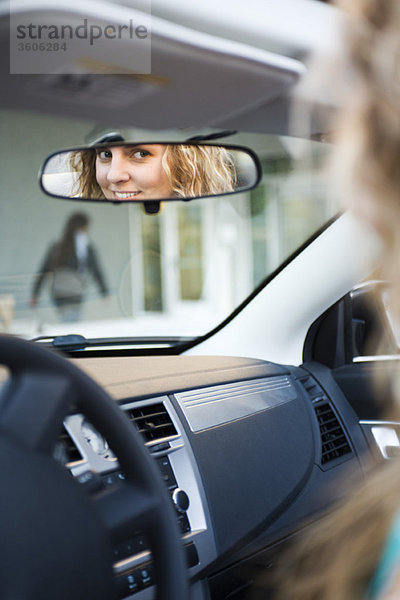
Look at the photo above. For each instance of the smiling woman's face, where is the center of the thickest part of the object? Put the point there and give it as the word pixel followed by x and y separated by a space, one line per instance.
pixel 132 172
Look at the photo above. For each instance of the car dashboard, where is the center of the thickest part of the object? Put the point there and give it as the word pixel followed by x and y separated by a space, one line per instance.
pixel 249 450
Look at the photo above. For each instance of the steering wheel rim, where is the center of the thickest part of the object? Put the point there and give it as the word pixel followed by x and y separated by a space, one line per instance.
pixel 31 428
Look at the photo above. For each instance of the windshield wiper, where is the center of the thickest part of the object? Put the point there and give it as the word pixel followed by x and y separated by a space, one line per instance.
pixel 76 342
pixel 72 341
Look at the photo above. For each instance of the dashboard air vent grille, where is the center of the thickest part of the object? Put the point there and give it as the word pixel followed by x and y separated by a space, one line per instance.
pixel 66 450
pixel 152 421
pixel 333 439
pixel 334 443
pixel 314 391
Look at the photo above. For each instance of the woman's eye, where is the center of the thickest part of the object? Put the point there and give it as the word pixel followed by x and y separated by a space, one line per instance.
pixel 104 155
pixel 140 154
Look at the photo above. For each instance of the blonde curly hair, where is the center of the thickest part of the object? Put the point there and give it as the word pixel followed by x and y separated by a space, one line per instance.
pixel 337 556
pixel 368 130
pixel 199 170
pixel 193 170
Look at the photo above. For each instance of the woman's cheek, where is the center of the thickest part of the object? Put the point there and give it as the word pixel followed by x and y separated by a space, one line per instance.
pixel 100 176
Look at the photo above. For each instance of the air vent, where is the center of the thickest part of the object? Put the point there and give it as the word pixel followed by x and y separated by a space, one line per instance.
pixel 334 444
pixel 333 439
pixel 152 421
pixel 314 391
pixel 66 451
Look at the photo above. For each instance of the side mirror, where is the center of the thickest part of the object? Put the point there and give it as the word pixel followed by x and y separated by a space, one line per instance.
pixel 149 172
pixel 360 324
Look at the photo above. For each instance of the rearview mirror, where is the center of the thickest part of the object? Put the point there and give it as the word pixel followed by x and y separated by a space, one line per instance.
pixel 149 172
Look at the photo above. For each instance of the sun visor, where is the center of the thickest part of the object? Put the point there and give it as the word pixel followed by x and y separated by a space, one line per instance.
pixel 193 79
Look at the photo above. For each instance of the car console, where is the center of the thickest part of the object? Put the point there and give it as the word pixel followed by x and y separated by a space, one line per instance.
pixel 88 457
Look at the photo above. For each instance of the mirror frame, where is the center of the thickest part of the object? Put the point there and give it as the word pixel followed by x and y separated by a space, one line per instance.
pixel 151 204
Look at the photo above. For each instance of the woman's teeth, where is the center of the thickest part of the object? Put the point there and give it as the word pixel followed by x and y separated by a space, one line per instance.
pixel 125 195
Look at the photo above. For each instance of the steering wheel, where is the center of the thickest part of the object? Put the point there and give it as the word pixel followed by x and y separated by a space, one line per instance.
pixel 56 537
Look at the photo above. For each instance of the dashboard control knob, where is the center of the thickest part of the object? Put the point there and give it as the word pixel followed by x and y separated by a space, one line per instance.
pixel 180 500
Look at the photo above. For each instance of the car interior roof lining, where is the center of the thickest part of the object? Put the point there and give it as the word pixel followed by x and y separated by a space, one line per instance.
pixel 200 79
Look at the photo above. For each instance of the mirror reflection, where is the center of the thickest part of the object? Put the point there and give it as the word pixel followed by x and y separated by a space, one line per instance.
pixel 149 172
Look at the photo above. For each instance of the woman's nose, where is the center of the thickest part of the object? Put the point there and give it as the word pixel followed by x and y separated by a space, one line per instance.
pixel 118 171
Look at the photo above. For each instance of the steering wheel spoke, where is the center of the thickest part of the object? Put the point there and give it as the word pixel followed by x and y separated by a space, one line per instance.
pixel 32 408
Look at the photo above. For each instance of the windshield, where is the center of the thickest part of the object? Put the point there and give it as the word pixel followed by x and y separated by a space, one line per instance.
pixel 125 273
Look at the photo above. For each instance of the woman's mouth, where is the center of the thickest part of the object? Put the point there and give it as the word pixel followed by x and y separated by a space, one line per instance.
pixel 125 195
